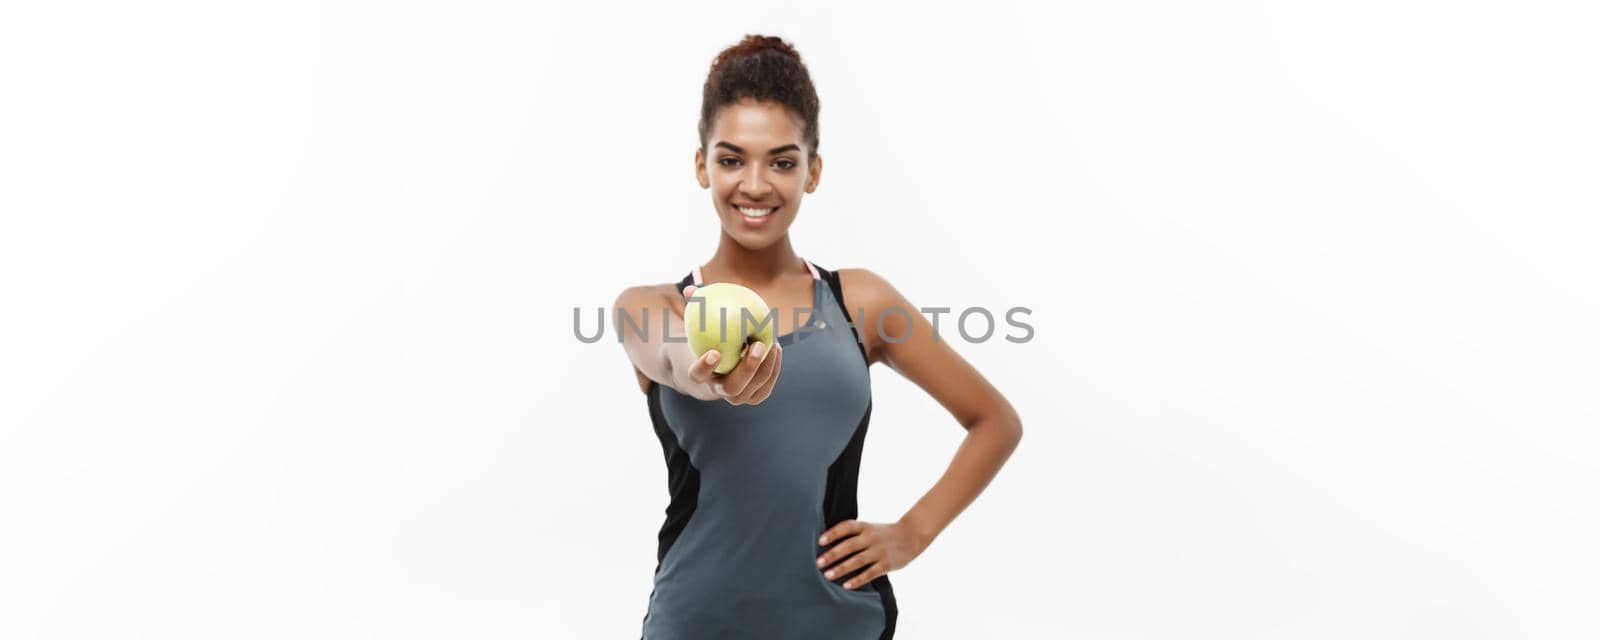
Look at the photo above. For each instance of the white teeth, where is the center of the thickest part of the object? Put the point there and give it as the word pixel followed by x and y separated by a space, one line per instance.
pixel 756 213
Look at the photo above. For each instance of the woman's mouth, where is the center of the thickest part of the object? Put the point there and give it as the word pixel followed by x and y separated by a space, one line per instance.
pixel 756 217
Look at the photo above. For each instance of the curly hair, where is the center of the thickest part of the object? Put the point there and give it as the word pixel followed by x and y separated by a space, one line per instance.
pixel 765 68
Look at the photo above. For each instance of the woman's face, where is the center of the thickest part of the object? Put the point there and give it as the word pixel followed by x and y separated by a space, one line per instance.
pixel 755 159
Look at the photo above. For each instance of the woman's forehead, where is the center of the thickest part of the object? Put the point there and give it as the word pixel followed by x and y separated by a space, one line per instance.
pixel 754 125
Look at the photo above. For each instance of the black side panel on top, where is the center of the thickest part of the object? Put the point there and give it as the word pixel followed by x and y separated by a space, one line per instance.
pixel 839 498
pixel 832 277
pixel 683 480
pixel 839 504
pixel 891 607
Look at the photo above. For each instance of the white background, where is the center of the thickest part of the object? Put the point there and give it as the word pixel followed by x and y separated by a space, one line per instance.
pixel 287 296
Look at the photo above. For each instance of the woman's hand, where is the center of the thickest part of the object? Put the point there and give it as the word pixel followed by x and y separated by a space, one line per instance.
pixel 880 548
pixel 750 382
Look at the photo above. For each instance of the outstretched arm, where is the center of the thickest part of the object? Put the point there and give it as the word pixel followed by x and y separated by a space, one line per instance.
pixel 992 424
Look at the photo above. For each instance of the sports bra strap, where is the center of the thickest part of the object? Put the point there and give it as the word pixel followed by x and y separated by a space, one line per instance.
pixel 834 285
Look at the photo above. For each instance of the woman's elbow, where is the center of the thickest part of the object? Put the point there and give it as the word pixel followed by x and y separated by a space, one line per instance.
pixel 1012 424
pixel 1004 427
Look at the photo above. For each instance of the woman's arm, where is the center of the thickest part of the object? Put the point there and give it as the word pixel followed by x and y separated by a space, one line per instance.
pixel 640 310
pixel 992 424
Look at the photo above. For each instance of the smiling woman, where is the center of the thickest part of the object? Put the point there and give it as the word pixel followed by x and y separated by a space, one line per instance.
pixel 756 214
pixel 760 538
pixel 758 120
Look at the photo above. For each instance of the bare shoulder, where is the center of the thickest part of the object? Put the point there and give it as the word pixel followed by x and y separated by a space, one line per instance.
pixel 647 291
pixel 636 302
pixel 648 296
pixel 867 295
pixel 865 288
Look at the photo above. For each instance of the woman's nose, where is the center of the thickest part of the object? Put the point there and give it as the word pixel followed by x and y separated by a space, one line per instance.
pixel 754 184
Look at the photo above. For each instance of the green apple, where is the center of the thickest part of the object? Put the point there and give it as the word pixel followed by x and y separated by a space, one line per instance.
pixel 734 315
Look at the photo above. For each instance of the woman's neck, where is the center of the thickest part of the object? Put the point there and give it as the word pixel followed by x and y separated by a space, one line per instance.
pixel 734 263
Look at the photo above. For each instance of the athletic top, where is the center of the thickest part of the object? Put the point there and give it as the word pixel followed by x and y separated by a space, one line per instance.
pixel 753 487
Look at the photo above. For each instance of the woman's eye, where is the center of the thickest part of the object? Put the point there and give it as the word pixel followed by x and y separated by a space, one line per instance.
pixel 734 162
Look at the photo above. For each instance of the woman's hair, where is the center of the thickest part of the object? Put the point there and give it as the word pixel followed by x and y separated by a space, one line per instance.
pixel 767 69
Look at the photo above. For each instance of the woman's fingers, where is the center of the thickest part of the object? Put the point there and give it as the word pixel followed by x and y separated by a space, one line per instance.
pixel 704 367
pixel 848 537
pixel 841 530
pixel 840 551
pixel 737 383
pixel 882 548
pixel 862 559
pixel 872 572
pixel 771 381
pixel 761 381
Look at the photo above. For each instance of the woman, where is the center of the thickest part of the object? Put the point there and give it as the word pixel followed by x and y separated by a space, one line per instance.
pixel 760 538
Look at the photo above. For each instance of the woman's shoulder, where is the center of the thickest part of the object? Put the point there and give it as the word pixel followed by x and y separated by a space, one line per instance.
pixel 647 295
pixel 867 295
pixel 865 288
pixel 653 288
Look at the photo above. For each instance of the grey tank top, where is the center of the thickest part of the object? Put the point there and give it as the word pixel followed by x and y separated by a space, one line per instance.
pixel 752 488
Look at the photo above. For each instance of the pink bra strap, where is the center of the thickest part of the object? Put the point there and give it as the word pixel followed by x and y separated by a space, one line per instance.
pixel 813 269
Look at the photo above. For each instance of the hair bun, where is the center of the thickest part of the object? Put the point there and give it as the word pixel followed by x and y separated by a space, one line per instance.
pixel 754 44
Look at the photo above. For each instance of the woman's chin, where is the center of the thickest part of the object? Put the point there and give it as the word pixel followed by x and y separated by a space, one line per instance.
pixel 756 239
pixel 753 243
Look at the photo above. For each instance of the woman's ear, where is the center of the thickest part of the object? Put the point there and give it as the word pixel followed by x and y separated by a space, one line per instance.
pixel 700 168
pixel 813 173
